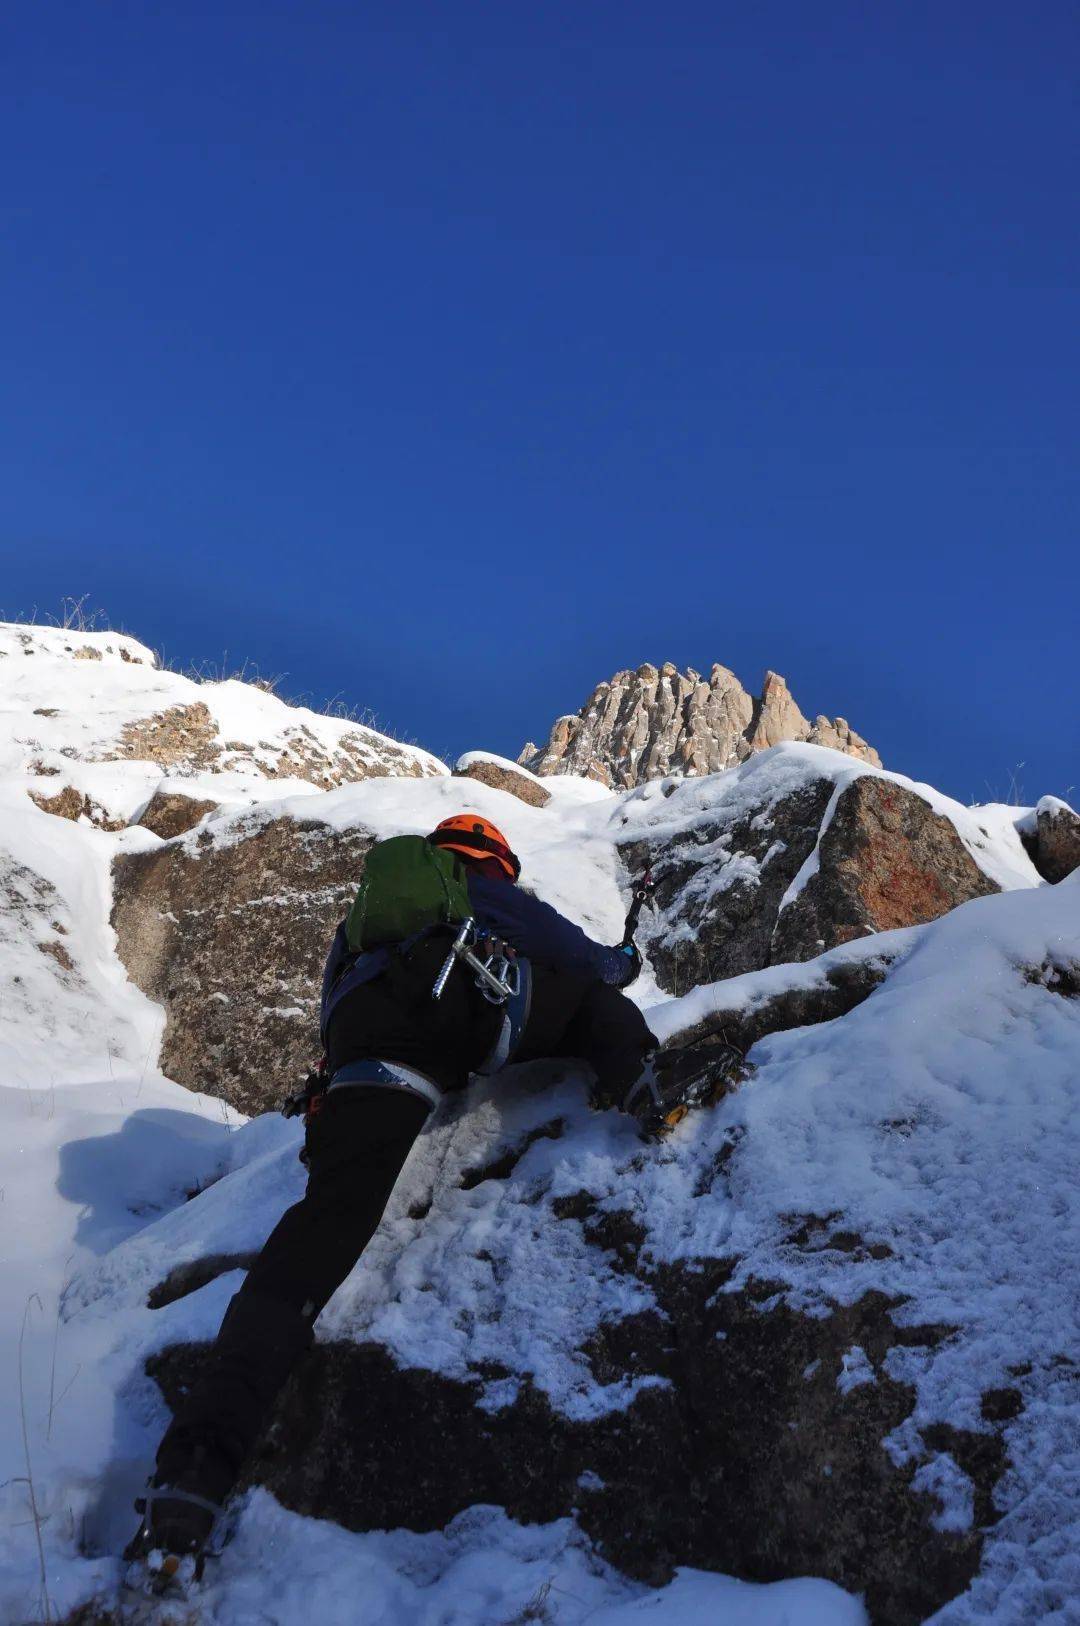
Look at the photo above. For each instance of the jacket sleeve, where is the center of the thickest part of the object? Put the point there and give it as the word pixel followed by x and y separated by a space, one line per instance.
pixel 539 932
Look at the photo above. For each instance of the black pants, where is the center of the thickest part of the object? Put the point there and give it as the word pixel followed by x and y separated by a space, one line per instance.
pixel 357 1144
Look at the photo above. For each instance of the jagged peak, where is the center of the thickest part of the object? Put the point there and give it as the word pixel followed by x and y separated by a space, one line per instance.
pixel 656 720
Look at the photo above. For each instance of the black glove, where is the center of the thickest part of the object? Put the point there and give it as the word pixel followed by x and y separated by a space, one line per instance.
pixel 632 955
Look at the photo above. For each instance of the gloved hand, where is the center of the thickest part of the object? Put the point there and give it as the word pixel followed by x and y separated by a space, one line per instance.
pixel 633 955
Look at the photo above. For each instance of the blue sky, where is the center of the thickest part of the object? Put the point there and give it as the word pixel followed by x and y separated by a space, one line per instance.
pixel 451 357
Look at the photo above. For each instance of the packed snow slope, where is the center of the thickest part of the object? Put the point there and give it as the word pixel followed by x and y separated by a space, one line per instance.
pixel 935 1123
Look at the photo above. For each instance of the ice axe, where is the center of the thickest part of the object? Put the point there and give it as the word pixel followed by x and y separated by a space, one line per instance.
pixel 643 890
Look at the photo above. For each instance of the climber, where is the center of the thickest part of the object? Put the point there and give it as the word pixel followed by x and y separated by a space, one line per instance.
pixel 444 967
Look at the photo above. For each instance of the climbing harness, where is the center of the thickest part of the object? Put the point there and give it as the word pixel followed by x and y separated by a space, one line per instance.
pixel 505 981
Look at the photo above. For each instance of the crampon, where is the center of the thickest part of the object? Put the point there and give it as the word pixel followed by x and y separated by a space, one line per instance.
pixel 660 1099
pixel 167 1556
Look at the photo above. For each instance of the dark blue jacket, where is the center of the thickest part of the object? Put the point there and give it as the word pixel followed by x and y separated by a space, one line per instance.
pixel 539 932
pixel 500 907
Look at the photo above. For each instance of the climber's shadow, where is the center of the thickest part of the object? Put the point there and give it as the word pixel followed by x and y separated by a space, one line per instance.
pixel 123 1180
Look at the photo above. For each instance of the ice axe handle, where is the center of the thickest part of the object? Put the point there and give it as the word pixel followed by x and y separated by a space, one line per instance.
pixel 642 891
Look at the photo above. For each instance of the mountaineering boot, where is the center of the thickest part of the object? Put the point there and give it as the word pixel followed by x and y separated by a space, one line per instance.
pixel 661 1096
pixel 200 1457
pixel 180 1513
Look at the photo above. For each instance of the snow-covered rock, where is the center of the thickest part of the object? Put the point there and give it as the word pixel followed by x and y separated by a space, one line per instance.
pixel 825 1329
pixel 797 850
pixel 95 711
pixel 1053 838
pixel 503 775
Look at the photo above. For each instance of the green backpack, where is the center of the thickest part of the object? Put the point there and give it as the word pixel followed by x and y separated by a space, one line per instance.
pixel 408 884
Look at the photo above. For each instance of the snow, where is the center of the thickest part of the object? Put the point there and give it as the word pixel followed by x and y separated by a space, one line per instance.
pixel 939 1117
pixel 483 1568
pixel 752 990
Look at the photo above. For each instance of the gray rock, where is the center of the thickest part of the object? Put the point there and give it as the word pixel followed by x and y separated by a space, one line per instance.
pixel 749 1457
pixel 655 721
pixel 1055 851
pixel 500 776
pixel 720 881
pixel 169 814
pixel 884 860
pixel 739 1462
pixel 231 939
pixel 828 989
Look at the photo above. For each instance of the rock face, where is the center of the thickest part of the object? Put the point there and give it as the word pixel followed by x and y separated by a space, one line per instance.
pixel 229 934
pixel 724 889
pixel 741 1462
pixel 885 859
pixel 761 1449
pixel 73 804
pixel 231 939
pixel 502 776
pixel 169 813
pixel 655 721
pixel 1055 850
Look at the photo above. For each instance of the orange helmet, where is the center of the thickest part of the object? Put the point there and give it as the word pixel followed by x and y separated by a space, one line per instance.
pixel 468 833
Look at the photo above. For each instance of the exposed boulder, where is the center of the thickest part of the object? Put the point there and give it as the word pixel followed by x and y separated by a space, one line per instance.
pixel 828 988
pixel 1055 843
pixel 231 937
pixel 73 804
pixel 765 1296
pixel 169 813
pixel 655 721
pixel 732 894
pixel 885 859
pixel 756 1444
pixel 501 775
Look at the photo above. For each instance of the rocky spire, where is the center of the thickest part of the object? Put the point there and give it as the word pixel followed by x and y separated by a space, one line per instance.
pixel 655 721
